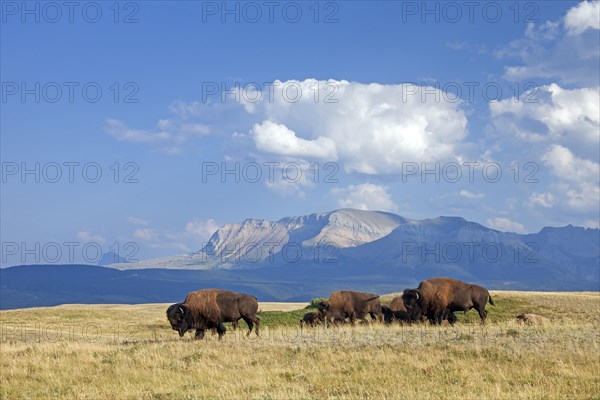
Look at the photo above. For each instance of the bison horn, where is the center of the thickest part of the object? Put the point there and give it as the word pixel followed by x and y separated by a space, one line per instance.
pixel 181 310
pixel 417 295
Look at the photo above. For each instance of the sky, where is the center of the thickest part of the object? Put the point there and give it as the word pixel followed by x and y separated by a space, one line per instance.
pixel 141 127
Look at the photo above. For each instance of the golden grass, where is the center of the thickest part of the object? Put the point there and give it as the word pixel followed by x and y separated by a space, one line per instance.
pixel 130 352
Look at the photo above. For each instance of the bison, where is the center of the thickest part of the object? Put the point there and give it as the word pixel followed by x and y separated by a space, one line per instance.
pixel 439 298
pixel 344 304
pixel 397 311
pixel 210 308
pixel 310 319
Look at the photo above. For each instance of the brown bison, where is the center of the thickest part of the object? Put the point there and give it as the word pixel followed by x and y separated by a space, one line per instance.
pixel 396 311
pixel 349 304
pixel 439 298
pixel 210 308
pixel 310 319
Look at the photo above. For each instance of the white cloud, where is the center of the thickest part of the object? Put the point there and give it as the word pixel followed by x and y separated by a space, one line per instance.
pixel 471 195
pixel 85 236
pixel 146 234
pixel 505 225
pixel 119 130
pixel 278 139
pixel 369 128
pixel 579 179
pixel 567 50
pixel 192 237
pixel 137 221
pixel 170 135
pixel 545 200
pixel 591 223
pixel 366 196
pixel 200 229
pixel 572 115
pixel 585 15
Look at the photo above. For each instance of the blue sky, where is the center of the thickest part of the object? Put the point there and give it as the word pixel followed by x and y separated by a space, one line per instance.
pixel 369 97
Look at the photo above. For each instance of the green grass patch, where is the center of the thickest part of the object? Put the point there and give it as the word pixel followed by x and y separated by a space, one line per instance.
pixel 283 318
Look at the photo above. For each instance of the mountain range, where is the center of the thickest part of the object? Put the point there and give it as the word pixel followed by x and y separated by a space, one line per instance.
pixel 296 258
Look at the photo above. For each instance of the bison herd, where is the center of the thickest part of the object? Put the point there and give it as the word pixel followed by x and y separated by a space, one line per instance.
pixel 435 299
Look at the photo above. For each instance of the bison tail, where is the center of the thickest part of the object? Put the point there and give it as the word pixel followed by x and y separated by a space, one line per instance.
pixel 490 299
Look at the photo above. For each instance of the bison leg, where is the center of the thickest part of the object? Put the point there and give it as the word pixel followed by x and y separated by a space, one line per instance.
pixel 251 321
pixel 199 334
pixel 353 318
pixel 234 324
pixel 482 313
pixel 221 330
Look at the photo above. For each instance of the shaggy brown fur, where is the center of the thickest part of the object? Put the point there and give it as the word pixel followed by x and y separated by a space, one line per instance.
pixel 353 305
pixel 210 308
pixel 439 298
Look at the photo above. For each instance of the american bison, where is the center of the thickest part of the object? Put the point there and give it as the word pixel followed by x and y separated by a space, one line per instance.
pixel 210 308
pixel 439 298
pixel 310 319
pixel 344 304
pixel 396 311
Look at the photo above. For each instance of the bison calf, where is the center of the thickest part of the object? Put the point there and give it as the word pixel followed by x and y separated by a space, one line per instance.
pixel 310 319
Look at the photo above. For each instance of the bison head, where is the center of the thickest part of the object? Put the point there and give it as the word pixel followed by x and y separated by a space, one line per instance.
pixel 323 307
pixel 413 302
pixel 177 314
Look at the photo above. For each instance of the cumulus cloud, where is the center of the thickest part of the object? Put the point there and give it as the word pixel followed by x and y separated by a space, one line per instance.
pixel 370 128
pixel 578 179
pixel 366 196
pixel 567 49
pixel 545 200
pixel 505 225
pixel 585 15
pixel 278 139
pixel 570 117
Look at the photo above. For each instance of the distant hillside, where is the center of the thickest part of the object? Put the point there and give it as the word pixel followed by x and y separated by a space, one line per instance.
pixel 298 258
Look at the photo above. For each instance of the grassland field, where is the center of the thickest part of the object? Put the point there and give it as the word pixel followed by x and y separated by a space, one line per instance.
pixel 130 352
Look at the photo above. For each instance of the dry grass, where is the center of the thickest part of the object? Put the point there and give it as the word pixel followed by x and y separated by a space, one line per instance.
pixel 130 352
